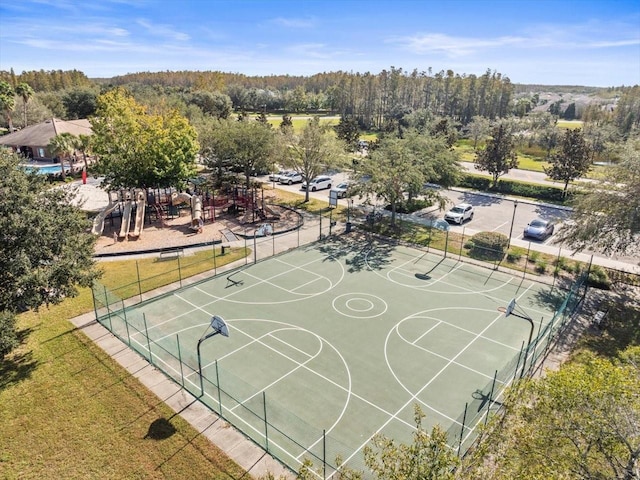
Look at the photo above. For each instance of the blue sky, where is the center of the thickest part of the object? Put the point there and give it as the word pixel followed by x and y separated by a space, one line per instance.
pixel 549 42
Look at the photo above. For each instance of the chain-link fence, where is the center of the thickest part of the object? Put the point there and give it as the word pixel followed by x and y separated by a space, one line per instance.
pixel 268 424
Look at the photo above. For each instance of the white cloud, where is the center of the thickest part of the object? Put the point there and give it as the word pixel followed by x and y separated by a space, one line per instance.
pixel 452 46
pixel 162 30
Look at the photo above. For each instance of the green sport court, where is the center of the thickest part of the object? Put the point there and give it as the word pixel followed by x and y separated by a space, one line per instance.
pixel 335 342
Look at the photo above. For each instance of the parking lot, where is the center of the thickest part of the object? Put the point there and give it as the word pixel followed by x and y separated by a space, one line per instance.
pixel 492 213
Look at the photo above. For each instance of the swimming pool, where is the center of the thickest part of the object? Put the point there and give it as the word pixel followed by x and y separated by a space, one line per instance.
pixel 45 169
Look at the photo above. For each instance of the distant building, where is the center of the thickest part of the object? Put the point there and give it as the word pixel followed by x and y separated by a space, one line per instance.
pixel 33 141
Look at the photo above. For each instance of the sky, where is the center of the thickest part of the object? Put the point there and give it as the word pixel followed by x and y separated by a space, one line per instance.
pixel 546 42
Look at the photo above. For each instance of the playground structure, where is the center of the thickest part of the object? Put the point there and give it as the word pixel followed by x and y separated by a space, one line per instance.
pixel 124 201
pixel 131 206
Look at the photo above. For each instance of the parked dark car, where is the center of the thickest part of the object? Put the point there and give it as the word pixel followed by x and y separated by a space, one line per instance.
pixel 539 229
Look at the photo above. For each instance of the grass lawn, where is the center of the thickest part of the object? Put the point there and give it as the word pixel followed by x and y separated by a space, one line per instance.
pixel 69 411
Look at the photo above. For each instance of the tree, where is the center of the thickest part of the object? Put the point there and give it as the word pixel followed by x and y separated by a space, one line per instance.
pixel 139 150
pixel 7 102
pixel 428 457
pixel 26 92
pixel 63 146
pixel 582 421
pixel 244 145
pixel 479 127
pixel 606 216
pixel 286 126
pixel 347 131
pixel 393 169
pixel 45 250
pixel 215 104
pixel 79 103
pixel 83 144
pixel 313 151
pixel 499 155
pixel 572 161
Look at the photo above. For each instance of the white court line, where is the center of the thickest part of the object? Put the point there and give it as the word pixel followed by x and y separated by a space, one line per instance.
pixel 234 292
pixel 414 396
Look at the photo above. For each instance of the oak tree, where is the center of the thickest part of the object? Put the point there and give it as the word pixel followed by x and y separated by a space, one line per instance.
pixel 572 161
pixel 46 251
pixel 141 150
pixel 498 157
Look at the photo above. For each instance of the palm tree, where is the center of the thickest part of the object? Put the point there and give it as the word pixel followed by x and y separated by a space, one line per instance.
pixel 7 102
pixel 26 92
pixel 83 143
pixel 62 145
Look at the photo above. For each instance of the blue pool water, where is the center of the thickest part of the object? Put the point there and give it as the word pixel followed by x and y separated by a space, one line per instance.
pixel 45 169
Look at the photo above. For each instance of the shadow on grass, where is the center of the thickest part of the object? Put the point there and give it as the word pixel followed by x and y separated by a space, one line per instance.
pixel 16 367
pixel 160 429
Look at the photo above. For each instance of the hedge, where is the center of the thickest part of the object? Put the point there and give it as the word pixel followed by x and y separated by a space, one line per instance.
pixel 516 188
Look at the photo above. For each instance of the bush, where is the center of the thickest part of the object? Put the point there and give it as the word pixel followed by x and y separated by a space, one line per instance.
pixel 534 256
pixel 514 187
pixel 541 266
pixel 514 257
pixel 598 278
pixel 489 245
pixel 410 206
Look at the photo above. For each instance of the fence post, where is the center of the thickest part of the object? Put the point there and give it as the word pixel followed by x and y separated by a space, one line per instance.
pixel 464 419
pixel 493 385
pixel 515 372
pixel 245 247
pixel 273 243
pixel 126 325
pixel 179 269
pixel 218 385
pixel 214 260
pixel 461 244
pixel 324 454
pixel 139 284
pixel 93 297
pixel 146 332
pixel 180 360
pixel 266 435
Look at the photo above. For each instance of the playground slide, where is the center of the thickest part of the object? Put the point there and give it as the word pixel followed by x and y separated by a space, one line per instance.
pixel 177 198
pixel 140 207
pixel 126 219
pixel 196 208
pixel 98 222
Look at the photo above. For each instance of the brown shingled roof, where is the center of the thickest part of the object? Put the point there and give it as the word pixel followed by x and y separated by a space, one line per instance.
pixel 40 135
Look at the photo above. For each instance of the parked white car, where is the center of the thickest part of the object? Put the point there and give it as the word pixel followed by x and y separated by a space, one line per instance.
pixel 318 183
pixel 459 213
pixel 291 177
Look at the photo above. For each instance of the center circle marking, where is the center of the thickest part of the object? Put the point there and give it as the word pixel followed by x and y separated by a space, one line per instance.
pixel 359 305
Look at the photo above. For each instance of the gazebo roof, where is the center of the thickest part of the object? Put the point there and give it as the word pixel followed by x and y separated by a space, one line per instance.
pixel 41 134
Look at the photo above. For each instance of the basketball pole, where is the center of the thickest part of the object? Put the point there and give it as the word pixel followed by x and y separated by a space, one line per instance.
pixel 202 339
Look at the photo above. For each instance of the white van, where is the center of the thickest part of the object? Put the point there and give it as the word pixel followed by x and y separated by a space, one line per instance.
pixel 318 183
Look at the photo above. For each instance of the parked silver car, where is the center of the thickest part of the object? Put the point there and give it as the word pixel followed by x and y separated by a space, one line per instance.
pixel 539 229
pixel 291 177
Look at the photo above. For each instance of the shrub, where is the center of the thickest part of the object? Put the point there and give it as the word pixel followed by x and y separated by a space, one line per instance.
pixel 598 278
pixel 541 266
pixel 489 245
pixel 514 187
pixel 514 256
pixel 534 256
pixel 410 206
